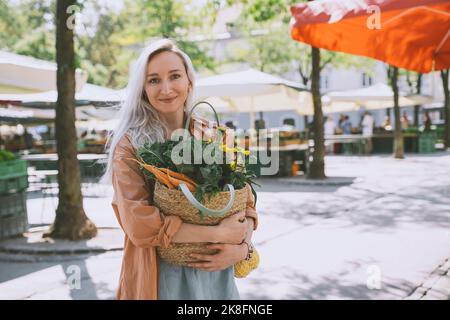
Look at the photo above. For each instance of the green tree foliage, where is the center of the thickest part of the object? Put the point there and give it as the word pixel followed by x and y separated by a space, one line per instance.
pixel 265 25
pixel 179 20
pixel 108 37
pixel 27 27
pixel 99 50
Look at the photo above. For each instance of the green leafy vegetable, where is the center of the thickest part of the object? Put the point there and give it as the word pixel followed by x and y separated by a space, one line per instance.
pixel 211 178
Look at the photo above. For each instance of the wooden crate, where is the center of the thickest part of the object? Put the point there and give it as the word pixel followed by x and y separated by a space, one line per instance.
pixel 12 168
pixel 13 204
pixel 12 184
pixel 14 225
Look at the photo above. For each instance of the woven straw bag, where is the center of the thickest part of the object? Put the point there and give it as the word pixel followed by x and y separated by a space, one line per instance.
pixel 174 202
pixel 183 204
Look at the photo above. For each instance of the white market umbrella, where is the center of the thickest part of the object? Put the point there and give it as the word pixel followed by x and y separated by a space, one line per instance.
pixel 26 114
pixel 90 94
pixel 27 107
pixel 20 73
pixel 251 91
pixel 328 106
pixel 378 96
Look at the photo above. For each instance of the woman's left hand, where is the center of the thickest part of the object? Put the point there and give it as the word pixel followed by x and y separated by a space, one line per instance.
pixel 228 255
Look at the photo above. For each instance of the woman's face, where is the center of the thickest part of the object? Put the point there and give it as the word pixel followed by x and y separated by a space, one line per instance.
pixel 166 83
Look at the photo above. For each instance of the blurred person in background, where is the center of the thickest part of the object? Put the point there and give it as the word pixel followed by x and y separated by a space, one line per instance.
pixel 404 120
pixel 426 122
pixel 346 125
pixel 367 131
pixel 386 125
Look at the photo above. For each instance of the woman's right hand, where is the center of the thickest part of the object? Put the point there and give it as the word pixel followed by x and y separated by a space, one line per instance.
pixel 233 229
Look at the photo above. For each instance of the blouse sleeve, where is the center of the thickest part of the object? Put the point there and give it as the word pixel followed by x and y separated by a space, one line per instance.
pixel 141 222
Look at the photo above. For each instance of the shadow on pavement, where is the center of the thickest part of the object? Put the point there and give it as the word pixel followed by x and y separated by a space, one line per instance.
pixel 294 285
pixel 39 281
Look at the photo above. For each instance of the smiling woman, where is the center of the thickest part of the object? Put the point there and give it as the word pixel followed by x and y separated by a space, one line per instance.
pixel 167 87
pixel 159 98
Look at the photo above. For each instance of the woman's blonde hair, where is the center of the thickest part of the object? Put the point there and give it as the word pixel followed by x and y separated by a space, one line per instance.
pixel 137 116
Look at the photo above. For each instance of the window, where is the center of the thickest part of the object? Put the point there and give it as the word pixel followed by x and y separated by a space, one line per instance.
pixel 366 80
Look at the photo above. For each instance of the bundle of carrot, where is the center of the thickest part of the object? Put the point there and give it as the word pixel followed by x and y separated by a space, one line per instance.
pixel 169 178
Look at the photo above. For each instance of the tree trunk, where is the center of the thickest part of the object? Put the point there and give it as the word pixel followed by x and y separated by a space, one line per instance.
pixel 71 221
pixel 317 166
pixel 444 76
pixel 398 137
pixel 417 107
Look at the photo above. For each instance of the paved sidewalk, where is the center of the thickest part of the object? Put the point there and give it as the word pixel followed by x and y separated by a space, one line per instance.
pixel 33 247
pixel 379 229
pixel 436 286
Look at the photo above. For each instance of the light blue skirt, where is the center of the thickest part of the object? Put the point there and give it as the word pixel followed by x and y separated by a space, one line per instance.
pixel 185 283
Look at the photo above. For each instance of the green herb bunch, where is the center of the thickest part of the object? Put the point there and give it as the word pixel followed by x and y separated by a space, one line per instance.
pixel 210 178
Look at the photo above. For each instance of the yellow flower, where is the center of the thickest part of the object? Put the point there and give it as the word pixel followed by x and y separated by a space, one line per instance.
pixel 226 149
pixel 241 150
pixel 233 165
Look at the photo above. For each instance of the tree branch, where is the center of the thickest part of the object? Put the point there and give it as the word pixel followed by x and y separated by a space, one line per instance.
pixel 325 63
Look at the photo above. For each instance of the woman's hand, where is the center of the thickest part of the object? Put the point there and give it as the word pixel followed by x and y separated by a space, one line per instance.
pixel 233 229
pixel 228 255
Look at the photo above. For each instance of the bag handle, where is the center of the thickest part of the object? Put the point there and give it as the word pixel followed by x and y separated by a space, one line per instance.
pixel 202 208
pixel 188 120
